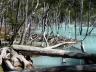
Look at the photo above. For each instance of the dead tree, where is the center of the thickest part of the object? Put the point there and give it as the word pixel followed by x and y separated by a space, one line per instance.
pixel 81 17
pixel 25 24
pixel 52 52
pixel 77 68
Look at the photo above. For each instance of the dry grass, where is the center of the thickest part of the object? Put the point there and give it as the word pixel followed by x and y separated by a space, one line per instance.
pixel 1 35
pixel 1 70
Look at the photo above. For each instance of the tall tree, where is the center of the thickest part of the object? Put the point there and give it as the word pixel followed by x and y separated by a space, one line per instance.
pixel 81 17
pixel 88 22
pixel 25 24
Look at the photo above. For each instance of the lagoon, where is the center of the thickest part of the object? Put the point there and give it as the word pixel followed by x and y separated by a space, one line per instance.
pixel 68 31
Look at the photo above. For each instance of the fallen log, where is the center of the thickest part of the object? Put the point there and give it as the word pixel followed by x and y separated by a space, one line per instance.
pixel 3 53
pixel 17 58
pixel 53 52
pixel 77 68
pixel 7 65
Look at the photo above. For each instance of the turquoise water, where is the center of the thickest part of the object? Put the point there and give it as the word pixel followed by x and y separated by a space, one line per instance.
pixel 46 61
pixel 89 44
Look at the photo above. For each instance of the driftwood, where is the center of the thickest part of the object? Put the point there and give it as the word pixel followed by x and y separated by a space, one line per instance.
pixel 77 68
pixel 13 64
pixel 13 60
pixel 51 39
pixel 53 52
pixel 57 45
pixel 17 58
pixel 7 65
pixel 3 54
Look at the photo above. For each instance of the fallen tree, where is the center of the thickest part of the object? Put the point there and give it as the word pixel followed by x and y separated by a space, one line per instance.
pixel 14 60
pixel 4 53
pixel 77 68
pixel 17 52
pixel 17 59
pixel 52 52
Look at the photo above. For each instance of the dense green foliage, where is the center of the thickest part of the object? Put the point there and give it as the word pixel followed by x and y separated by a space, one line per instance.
pixel 65 5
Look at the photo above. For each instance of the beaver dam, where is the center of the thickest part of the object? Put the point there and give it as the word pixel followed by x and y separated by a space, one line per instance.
pixel 21 59
pixel 18 57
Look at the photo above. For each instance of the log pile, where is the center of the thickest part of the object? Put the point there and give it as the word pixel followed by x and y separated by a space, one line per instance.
pixel 48 40
pixel 17 57
pixel 13 60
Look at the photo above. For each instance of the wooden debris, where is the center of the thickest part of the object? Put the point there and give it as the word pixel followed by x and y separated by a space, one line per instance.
pixel 13 60
pixel 17 58
pixel 3 54
pixel 18 62
pixel 57 45
pixel 53 52
pixel 7 65
pixel 77 68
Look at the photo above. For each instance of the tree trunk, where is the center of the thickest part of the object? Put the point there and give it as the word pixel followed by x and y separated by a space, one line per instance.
pixel 81 17
pixel 52 52
pixel 26 21
pixel 88 18
pixel 7 65
pixel 17 58
pixel 75 24
pixel 83 51
pixel 77 68
pixel 3 54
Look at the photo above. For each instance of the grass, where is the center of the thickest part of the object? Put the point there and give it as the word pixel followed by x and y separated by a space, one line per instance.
pixel 1 36
pixel 1 69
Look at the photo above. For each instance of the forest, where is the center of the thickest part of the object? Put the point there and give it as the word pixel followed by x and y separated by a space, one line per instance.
pixel 17 15
pixel 20 19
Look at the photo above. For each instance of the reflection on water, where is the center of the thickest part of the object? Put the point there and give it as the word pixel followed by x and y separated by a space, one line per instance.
pixel 89 43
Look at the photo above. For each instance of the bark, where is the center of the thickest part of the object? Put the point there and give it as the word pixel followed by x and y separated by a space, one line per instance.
pixel 69 21
pixel 7 65
pixel 15 61
pixel 44 22
pixel 82 47
pixel 83 50
pixel 60 44
pixel 81 17
pixel 89 32
pixel 88 17
pixel 77 68
pixel 47 44
pixel 1 18
pixel 52 52
pixel 3 54
pixel 36 5
pixel 26 21
pixel 75 24
pixel 17 58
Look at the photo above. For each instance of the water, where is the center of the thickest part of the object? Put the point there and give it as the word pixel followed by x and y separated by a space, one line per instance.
pixel 89 44
pixel 47 61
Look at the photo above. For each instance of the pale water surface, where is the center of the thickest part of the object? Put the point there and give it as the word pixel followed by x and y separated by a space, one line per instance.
pixel 89 43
